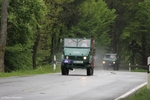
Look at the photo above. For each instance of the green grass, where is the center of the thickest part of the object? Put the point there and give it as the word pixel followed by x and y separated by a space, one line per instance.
pixel 40 70
pixel 139 70
pixel 142 94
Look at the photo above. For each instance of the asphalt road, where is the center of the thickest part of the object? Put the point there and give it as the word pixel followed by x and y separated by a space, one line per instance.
pixel 103 85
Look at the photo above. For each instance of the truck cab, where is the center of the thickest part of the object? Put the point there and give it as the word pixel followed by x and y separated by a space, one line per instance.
pixel 110 60
pixel 78 53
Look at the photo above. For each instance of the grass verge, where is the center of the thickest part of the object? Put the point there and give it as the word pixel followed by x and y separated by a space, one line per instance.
pixel 139 70
pixel 142 94
pixel 40 70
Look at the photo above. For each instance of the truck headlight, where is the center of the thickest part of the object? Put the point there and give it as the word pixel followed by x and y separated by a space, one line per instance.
pixel 84 58
pixel 67 57
pixel 103 62
pixel 113 62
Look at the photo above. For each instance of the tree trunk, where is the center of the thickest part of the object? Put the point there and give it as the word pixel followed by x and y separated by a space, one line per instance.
pixel 52 47
pixel 144 43
pixel 35 46
pixel 3 34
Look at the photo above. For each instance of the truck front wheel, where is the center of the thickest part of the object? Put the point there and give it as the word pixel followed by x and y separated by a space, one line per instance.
pixel 90 71
pixel 64 70
pixel 116 67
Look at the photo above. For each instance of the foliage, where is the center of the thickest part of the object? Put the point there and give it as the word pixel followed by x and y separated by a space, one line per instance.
pixel 139 70
pixel 23 20
pixel 129 32
pixel 135 36
pixel 19 58
pixel 62 14
pixel 22 23
pixel 40 70
pixel 0 8
pixel 142 94
pixel 96 19
pixel 118 25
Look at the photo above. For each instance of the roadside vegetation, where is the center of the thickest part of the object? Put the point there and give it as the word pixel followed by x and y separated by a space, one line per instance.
pixel 40 70
pixel 139 70
pixel 142 94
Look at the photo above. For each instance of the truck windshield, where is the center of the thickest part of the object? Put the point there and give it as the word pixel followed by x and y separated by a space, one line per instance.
pixel 110 56
pixel 77 42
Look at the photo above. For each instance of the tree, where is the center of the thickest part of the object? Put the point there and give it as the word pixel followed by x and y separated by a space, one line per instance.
pixel 136 34
pixel 24 18
pixel 3 34
pixel 129 32
pixel 61 16
pixel 120 22
pixel 95 20
pixel 39 16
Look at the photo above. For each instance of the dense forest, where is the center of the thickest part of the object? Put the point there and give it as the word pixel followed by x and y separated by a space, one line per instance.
pixel 32 31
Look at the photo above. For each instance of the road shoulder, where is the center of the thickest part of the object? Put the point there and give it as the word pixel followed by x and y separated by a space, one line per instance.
pixel 131 92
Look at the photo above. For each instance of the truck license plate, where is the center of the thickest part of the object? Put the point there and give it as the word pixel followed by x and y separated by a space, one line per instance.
pixel 78 62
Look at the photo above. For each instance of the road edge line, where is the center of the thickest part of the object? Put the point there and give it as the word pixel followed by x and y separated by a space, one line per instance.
pixel 122 97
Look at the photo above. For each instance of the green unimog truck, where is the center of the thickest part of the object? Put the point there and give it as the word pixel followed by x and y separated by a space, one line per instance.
pixel 78 53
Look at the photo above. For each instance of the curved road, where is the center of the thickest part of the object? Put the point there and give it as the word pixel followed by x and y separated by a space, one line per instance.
pixel 103 85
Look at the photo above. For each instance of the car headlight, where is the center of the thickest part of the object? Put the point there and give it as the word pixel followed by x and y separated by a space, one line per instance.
pixel 113 62
pixel 84 58
pixel 103 62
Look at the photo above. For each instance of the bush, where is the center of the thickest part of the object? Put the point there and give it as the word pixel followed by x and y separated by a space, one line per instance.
pixel 17 58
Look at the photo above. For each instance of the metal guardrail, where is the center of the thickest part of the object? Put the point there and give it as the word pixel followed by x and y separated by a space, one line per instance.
pixel 133 66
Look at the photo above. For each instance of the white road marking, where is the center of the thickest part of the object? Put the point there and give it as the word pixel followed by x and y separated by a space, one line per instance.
pixel 131 91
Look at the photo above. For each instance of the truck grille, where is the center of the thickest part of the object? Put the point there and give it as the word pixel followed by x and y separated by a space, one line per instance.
pixel 79 58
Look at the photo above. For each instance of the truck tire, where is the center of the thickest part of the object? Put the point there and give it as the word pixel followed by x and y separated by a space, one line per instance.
pixel 105 67
pixel 90 71
pixel 67 71
pixel 64 70
pixel 116 67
